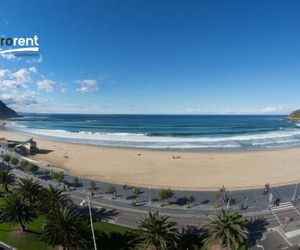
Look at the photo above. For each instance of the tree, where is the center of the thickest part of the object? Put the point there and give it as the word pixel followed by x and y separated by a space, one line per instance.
pixel 157 232
pixel 6 158
pixel 75 181
pixel 164 194
pixel 6 179
pixel 112 190
pixel 115 241
pixel 17 210
pixel 136 193
pixel 31 168
pixel 190 238
pixel 54 198
pixel 14 161
pixel 30 190
pixel 222 195
pixel 190 199
pixel 67 228
pixel 59 176
pixel 92 185
pixel 227 229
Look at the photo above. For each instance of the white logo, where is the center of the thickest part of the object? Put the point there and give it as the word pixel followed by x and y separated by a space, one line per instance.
pixel 19 44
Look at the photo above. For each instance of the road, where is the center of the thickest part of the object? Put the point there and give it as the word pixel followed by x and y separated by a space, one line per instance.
pixel 119 210
pixel 265 236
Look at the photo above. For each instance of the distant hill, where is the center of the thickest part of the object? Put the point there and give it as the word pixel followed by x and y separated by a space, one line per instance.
pixel 6 112
pixel 294 115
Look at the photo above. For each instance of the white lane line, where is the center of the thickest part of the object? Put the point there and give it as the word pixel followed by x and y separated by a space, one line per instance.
pixel 282 208
pixel 276 217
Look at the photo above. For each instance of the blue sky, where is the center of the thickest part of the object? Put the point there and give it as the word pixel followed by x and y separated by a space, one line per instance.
pixel 181 57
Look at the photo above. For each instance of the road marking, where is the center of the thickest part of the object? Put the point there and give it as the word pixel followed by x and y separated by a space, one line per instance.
pixel 283 206
pixel 292 233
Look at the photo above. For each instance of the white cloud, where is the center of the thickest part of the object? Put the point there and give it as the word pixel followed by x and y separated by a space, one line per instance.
pixel 3 73
pixel 46 85
pixel 268 110
pixel 87 85
pixel 10 56
pixel 32 69
pixel 24 75
pixel 17 100
pixel 37 59
pixel 17 79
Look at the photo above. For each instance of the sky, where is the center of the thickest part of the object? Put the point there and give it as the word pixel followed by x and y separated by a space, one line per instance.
pixel 153 57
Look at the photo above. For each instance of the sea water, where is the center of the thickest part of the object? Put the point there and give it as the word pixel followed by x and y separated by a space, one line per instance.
pixel 185 132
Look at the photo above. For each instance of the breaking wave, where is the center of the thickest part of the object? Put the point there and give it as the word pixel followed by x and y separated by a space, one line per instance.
pixel 282 137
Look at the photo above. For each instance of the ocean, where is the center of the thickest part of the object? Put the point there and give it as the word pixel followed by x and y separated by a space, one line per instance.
pixel 184 132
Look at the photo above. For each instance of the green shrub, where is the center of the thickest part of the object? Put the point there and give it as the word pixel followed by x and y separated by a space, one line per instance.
pixel 111 189
pixel 58 175
pixel 23 164
pixel 14 161
pixel 6 157
pixel 164 194
pixel 92 185
pixel 76 181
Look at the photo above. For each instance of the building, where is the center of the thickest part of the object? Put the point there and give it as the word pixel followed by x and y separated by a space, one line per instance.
pixel 27 148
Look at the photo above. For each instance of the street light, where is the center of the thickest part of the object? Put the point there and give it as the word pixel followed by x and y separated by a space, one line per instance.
pixel 90 213
pixel 295 192
pixel 228 203
pixel 91 220
pixel 82 179
pixel 149 196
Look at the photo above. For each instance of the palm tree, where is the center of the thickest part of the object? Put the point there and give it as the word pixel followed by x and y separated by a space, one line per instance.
pixel 227 230
pixel 54 198
pixel 67 228
pixel 6 179
pixel 116 240
pixel 17 210
pixel 30 190
pixel 191 238
pixel 157 231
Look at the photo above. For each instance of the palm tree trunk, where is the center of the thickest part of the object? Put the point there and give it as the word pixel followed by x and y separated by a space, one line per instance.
pixel 22 227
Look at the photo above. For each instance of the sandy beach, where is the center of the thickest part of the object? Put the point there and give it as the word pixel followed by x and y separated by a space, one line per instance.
pixel 193 171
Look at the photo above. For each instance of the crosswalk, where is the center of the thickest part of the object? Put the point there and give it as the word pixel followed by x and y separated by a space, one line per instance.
pixel 285 212
pixel 282 206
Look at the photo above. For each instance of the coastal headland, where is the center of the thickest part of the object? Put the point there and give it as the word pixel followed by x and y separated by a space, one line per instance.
pixel 176 170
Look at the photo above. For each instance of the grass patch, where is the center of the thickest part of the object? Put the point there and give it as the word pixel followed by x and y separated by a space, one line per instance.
pixel 31 240
pixel 11 234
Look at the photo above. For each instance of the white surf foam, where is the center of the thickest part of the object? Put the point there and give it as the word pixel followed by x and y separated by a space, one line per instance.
pixel 143 140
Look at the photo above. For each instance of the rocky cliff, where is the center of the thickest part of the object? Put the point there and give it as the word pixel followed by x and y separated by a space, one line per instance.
pixel 294 115
pixel 6 112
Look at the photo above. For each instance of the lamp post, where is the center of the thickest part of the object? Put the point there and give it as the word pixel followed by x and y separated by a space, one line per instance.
pixel 91 220
pixel 90 213
pixel 228 203
pixel 149 196
pixel 295 192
